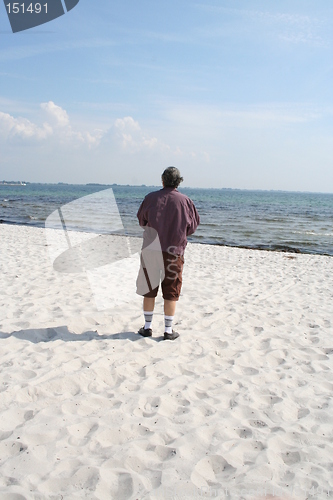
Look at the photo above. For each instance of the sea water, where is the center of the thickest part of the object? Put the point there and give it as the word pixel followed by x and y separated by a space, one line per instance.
pixel 268 220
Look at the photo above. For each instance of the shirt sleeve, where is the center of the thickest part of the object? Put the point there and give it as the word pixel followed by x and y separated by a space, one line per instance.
pixel 193 219
pixel 141 215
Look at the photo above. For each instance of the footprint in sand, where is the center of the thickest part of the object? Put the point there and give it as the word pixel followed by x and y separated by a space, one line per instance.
pixel 211 468
pixel 149 406
pixel 248 370
pixel 244 433
pixel 11 449
pixel 291 457
pixel 125 486
pixel 28 415
pixel 303 412
pixel 164 452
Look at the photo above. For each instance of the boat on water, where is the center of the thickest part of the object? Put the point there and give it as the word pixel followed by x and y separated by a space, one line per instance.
pixel 4 183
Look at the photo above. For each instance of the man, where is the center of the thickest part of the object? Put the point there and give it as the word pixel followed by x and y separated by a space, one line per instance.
pixel 168 217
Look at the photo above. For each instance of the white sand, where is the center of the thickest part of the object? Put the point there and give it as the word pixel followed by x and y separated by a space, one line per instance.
pixel 239 404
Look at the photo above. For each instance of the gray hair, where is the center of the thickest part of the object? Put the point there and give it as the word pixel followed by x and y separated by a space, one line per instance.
pixel 171 177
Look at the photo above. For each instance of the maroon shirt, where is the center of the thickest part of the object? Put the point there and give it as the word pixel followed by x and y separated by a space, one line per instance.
pixel 173 215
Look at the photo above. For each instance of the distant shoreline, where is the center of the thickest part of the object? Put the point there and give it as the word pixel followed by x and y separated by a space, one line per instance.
pixel 97 184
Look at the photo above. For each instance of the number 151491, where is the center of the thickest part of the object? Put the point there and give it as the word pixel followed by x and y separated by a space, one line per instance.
pixel 19 8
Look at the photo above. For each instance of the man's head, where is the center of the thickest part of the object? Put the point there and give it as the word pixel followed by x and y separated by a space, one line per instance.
pixel 171 177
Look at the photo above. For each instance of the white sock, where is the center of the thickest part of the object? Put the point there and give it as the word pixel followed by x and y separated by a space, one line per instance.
pixel 168 323
pixel 148 318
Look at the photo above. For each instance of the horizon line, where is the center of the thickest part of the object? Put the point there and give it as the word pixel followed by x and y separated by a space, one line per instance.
pixel 22 183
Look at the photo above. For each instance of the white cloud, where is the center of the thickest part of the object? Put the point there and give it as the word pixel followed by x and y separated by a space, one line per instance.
pixel 55 129
pixel 55 114
pixel 125 134
pixel 11 128
pixel 305 38
pixel 285 26
pixel 127 123
pixel 260 146
pixel 133 139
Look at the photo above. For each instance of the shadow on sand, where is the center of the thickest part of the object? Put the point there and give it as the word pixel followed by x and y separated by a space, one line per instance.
pixel 62 333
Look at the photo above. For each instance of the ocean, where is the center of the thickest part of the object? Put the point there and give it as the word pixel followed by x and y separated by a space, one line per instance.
pixel 266 220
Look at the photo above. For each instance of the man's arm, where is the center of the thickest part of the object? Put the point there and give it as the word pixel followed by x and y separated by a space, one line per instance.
pixel 193 219
pixel 141 215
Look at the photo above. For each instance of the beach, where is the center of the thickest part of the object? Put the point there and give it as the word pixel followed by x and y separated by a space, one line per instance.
pixel 240 406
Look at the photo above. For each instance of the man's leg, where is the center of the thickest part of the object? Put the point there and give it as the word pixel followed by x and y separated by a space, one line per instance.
pixel 147 278
pixel 149 304
pixel 169 313
pixel 171 286
pixel 148 310
pixel 169 307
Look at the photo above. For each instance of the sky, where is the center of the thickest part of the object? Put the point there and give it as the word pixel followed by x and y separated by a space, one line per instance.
pixel 235 93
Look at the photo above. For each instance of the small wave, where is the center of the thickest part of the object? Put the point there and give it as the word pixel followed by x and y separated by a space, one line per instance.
pixel 306 232
pixel 312 233
pixel 210 224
